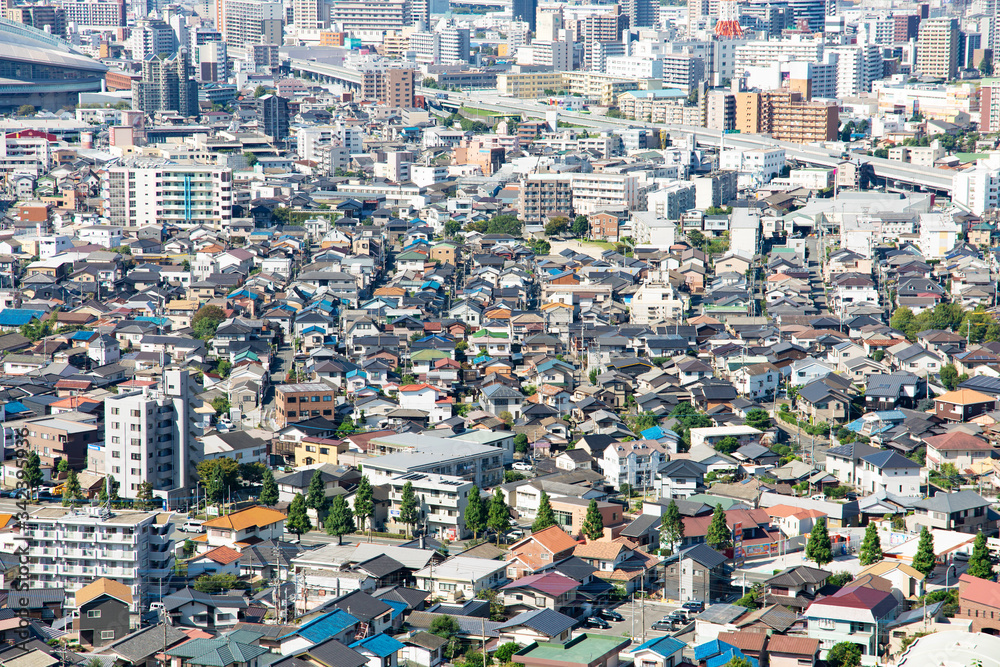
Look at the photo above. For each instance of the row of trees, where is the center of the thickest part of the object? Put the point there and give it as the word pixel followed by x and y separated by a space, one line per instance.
pixel 979 325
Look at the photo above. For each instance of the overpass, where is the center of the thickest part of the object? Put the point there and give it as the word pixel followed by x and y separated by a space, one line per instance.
pixel 895 174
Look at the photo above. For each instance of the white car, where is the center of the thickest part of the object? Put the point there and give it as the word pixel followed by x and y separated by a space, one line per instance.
pixel 192 527
pixel 521 465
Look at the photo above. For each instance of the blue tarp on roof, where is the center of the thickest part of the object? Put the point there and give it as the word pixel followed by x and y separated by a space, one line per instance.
pixel 724 658
pixel 381 645
pixel 652 433
pixel 322 628
pixel 15 317
pixel 665 646
pixel 14 407
pixel 160 321
pixel 81 335
pixel 710 648
pixel 397 607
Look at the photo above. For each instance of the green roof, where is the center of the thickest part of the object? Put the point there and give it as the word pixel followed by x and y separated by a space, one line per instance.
pixel 429 355
pixel 482 333
pixel 971 157
pixel 582 650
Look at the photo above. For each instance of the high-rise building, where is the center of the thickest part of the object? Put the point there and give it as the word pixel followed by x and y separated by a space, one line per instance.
pixel 151 37
pixel 310 14
pixel 272 116
pixel 392 87
pixel 449 46
pixel 989 106
pixel 525 10
pixel 857 67
pixel 165 85
pixel 937 48
pixel 641 13
pixel 211 63
pixel 135 196
pixel 69 548
pixel 148 434
pixel 548 24
pixel 370 20
pixel 420 14
pixel 786 116
pixel 906 26
pixel 721 110
pixel 812 12
pixel 557 56
pixel 94 13
pixel 249 22
pixel 44 17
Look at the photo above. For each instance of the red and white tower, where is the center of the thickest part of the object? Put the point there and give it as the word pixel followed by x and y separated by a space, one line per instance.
pixel 729 20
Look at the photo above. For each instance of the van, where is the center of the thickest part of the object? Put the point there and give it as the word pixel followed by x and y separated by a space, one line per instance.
pixel 192 526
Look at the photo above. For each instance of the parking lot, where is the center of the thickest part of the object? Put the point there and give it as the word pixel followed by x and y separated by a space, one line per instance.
pixel 637 620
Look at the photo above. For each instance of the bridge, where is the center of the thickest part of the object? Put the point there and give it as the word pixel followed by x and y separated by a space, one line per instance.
pixel 897 175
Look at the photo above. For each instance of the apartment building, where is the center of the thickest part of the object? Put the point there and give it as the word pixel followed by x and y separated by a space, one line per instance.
pixel 442 500
pixel 94 13
pixel 69 548
pixel 528 85
pixel 148 434
pixel 602 88
pixel 785 116
pixel 370 20
pixel 937 47
pixel 55 440
pixel 449 46
pixel 302 401
pixel 545 196
pixel 659 106
pixel 592 192
pixel 167 193
pixel 392 87
pixel 857 67
pixel 248 22
pixel 764 53
pixel 477 463
pixel 165 85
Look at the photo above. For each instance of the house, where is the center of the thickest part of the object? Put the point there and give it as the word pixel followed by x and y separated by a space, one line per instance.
pixel 680 478
pixel 795 586
pixel 793 521
pixel 979 603
pixel 853 614
pixel 537 625
pixel 336 624
pixel 461 577
pixel 701 575
pixel 633 463
pixel 220 560
pixel 539 550
pixel 200 610
pixel 958 448
pixel 422 649
pixel 381 650
pixel 253 523
pixel 102 612
pixel 224 651
pixel 803 371
pixel 844 461
pixel 888 472
pixel 658 652
pixel 499 398
pixel 585 650
pixel 962 511
pixel 821 401
pixel 545 590
pixel 791 651
pixel 904 579
pixel 961 405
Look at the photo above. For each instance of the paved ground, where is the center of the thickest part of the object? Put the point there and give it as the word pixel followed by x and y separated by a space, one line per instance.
pixel 638 619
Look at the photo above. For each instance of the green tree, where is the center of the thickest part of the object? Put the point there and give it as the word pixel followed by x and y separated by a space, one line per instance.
pixel 593 522
pixel 496 603
pixel 26 110
pixel 672 528
pixel 818 547
pixel 986 67
pixel 727 445
pixel 504 224
pixel 62 466
pixel 144 497
pixel 844 654
pixel 364 505
pixel 580 227
pixel 206 321
pixel 521 443
pixel 499 515
pixel 409 510
pixel 298 516
pixel 980 564
pixel 340 519
pixel 923 560
pixel 718 535
pixel 71 489
pixel 316 494
pixel 949 376
pixel 259 91
pixel 109 491
pixel 269 490
pixel 871 547
pixel 758 419
pixel 556 226
pixel 545 518
pixel 475 512
pixel 215 489
pixel 224 368
pixel 737 661
pixel 592 376
pixel 506 651
pixel 447 627
pixel 32 470
pixel 225 468
pixel 252 473
pixel 251 159
pixel 452 227
pixel 215 583
pixel 221 405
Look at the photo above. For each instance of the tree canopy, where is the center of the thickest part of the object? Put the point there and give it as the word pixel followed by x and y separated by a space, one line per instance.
pixel 818 547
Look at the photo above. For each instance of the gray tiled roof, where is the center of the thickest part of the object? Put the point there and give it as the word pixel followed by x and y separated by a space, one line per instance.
pixel 545 621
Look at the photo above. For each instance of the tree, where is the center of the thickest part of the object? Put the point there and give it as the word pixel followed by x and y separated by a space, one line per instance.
pixel 758 419
pixel 26 110
pixel 225 468
pixel 269 490
pixel 316 494
pixel 252 473
pixel 340 519
pixel 556 225
pixel 592 376
pixel 452 227
pixel 580 227
pixel 71 489
pixel 986 67
pixel 144 497
pixel 949 376
pixel 718 535
pixel 216 489
pixel 224 368
pixel 506 651
pixel 298 517
pixel 881 153
pixel 364 506
pixel 979 563
pixel 498 518
pixel 818 547
pixel 221 405
pixel 593 522
pixel 923 560
pixel 496 603
pixel 215 583
pixel 62 466
pixel 545 518
pixel 844 654
pixel 109 490
pixel 447 627
pixel 871 547
pixel 727 445
pixel 409 510
pixel 672 528
pixel 206 321
pixel 32 472
pixel 521 443
pixel 475 512
pixel 506 417
pixel 737 661
pixel 259 91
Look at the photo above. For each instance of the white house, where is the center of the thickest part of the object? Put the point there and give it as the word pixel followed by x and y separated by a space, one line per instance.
pixel 938 234
pixel 804 371
pixel 889 472
pixel 756 380
pixel 679 478
pixel 427 398
pixel 461 577
pixel 632 463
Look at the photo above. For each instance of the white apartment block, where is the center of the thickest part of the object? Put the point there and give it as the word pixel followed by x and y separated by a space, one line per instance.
pixel 877 30
pixel 762 164
pixel 672 200
pixel 370 20
pixel 70 548
pixel 657 303
pixel 249 22
pixel 631 463
pixel 635 67
pixel 556 55
pixel 977 189
pixel 148 434
pixel 762 53
pixel 857 67
pixel 169 193
pixel 653 230
pixel 442 500
pixel 861 233
pixel 938 234
pixel 593 191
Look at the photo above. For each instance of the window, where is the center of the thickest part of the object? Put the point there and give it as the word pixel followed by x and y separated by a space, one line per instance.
pixel 136 456
pixel 116 455
pixel 94 613
pixel 107 634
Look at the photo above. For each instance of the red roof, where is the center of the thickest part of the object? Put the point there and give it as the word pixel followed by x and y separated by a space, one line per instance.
pixel 551 583
pixel 957 441
pixel 417 387
pixel 792 645
pixel 222 555
pixel 979 591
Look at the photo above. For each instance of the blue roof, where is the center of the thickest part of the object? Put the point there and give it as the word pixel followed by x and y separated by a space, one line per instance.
pixel 723 658
pixel 661 94
pixel 314 328
pixel 81 335
pixel 397 607
pixel 652 433
pixel 665 646
pixel 432 284
pixel 351 374
pixel 322 628
pixel 482 359
pixel 381 645
pixel 710 648
pixel 15 407
pixel 15 317
pixel 155 320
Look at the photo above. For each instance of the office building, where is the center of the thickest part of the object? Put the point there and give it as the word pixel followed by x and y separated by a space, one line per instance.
pixel 812 12
pixel 211 62
pixel 548 25
pixel 937 48
pixel 449 46
pixel 69 548
pixel 135 196
pixel 907 26
pixel 391 87
pixel 525 10
pixel 248 22
pixel 272 117
pixel 165 85
pixel 420 14
pixel 785 115
pixel 148 434
pixel 43 17
pixel 641 13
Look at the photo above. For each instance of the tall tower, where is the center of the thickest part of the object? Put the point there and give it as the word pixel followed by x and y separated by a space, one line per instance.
pixel 420 14
pixel 729 20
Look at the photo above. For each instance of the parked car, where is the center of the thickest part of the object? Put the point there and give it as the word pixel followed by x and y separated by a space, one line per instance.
pixel 611 615
pixel 678 617
pixel 664 625
pixel 192 527
pixel 521 465
pixel 696 606
pixel 596 622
